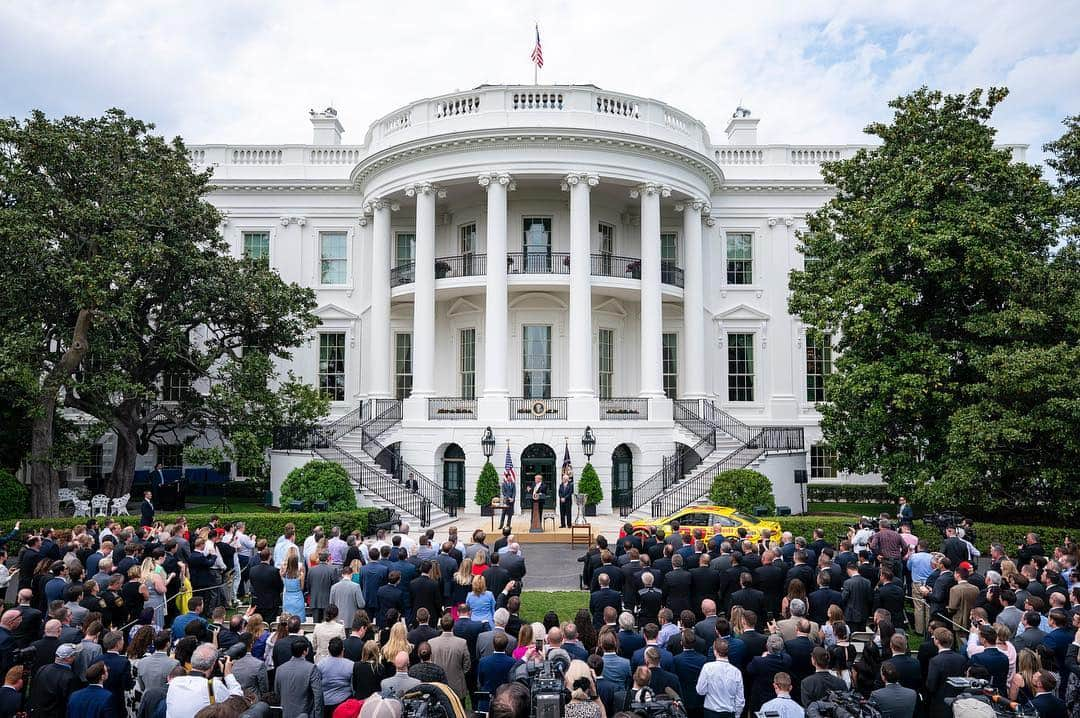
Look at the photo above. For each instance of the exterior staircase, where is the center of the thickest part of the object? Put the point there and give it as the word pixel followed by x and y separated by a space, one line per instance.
pixel 723 443
pixel 378 474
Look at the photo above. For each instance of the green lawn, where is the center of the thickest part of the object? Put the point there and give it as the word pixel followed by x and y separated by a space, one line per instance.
pixel 534 604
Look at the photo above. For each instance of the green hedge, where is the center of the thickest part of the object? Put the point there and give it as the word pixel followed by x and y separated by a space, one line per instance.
pixel 850 493
pixel 260 524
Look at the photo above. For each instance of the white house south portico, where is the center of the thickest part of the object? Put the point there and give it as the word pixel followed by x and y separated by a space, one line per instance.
pixel 539 260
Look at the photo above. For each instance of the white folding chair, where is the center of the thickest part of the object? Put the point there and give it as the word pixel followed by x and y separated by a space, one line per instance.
pixel 65 495
pixel 82 508
pixel 100 504
pixel 119 505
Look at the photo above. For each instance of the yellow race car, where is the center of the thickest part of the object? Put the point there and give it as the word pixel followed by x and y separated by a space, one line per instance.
pixel 712 520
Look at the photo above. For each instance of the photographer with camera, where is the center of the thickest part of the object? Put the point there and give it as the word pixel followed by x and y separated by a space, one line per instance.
pixel 189 694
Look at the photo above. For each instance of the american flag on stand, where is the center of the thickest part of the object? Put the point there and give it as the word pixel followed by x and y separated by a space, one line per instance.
pixel 508 468
pixel 566 464
pixel 538 51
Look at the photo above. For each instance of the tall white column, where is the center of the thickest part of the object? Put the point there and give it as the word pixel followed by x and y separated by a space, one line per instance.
pixel 652 322
pixel 379 345
pixel 424 292
pixel 693 379
pixel 493 405
pixel 580 385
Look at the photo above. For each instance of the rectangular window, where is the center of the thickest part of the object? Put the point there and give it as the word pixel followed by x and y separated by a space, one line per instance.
pixel 669 249
pixel 175 386
pixel 536 245
pixel 740 367
pixel 468 363
pixel 332 365
pixel 171 456
pixel 822 462
pixel 467 239
pixel 607 239
pixel 333 257
pixel 404 249
pixel 93 468
pixel 402 365
pixel 740 258
pixel 606 354
pixel 818 364
pixel 257 246
pixel 671 365
pixel 536 362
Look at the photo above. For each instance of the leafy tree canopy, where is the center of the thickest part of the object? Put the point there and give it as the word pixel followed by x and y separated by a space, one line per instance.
pixel 933 267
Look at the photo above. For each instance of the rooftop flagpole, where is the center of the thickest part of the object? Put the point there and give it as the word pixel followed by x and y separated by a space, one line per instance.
pixel 537 56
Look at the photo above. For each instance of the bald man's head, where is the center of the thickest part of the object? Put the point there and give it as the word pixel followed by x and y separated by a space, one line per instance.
pixel 708 607
pixel 53 628
pixel 401 661
pixel 11 619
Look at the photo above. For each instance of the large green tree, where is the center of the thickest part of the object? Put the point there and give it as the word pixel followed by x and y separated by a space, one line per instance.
pixel 116 280
pixel 931 266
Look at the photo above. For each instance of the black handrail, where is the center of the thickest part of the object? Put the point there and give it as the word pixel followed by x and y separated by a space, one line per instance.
pixel 462 265
pixel 624 408
pixel 694 488
pixel 449 408
pixel 611 265
pixel 523 408
pixel 404 273
pixel 538 263
pixel 670 274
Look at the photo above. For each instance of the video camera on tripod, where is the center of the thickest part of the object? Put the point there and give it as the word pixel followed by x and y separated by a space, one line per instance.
pixel 547 695
pixel 979 698
pixel 659 707
pixel 952 519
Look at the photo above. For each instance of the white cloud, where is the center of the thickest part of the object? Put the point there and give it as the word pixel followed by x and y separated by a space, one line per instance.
pixel 814 72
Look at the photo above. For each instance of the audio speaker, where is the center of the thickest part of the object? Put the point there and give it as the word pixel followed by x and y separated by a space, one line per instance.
pixel 800 476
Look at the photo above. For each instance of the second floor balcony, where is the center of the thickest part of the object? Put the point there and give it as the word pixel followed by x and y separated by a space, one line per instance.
pixel 523 263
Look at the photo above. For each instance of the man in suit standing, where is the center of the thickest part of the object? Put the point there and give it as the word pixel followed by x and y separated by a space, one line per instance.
pixel 566 496
pixel 858 598
pixel 494 668
pixel 1045 701
pixel 391 595
pixel 347 595
pixel 320 579
pixel 157 476
pixel 452 653
pixel 539 495
pixel 894 700
pixel 946 664
pixel 962 598
pixel 508 492
pixel 994 661
pixel 514 564
pixel 818 684
pixel 486 640
pixel 426 592
pixel 94 701
pixel 602 598
pixel 266 586
pixel 763 669
pixel 299 683
pixel 749 598
pixel 401 682
pixel 890 596
pixel 146 509
pixel 118 678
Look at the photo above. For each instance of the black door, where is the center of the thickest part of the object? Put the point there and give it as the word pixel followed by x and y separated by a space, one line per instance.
pixel 622 477
pixel 454 476
pixel 537 459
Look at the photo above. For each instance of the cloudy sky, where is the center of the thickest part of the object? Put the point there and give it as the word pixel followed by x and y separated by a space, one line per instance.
pixel 239 71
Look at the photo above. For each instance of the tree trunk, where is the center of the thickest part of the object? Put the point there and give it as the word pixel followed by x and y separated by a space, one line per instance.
pixel 123 473
pixel 44 483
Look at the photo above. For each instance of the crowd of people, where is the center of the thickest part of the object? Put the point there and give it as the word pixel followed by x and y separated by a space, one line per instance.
pixel 147 621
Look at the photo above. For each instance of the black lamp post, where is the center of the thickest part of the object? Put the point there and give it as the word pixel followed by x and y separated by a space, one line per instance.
pixel 488 443
pixel 588 443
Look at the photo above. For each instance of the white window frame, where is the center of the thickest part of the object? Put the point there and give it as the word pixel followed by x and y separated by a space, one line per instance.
pixel 600 228
pixel 807 336
pixel 461 238
pixel 678 358
pixel 269 242
pixel 728 232
pixel 831 466
pixel 461 361
pixel 398 234
pixel 398 375
pixel 599 366
pixel 349 262
pixel 326 331
pixel 757 358
pixel 678 246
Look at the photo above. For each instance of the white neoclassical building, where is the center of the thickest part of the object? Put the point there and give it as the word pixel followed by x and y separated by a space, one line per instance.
pixel 539 260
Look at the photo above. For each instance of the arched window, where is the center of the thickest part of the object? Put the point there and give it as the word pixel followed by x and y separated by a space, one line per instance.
pixel 537 459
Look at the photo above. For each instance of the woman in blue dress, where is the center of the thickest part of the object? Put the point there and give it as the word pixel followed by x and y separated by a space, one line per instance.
pixel 292 575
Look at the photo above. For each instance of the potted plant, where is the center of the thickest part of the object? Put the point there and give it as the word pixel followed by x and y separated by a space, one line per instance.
pixel 442 269
pixel 487 488
pixel 590 486
pixel 634 269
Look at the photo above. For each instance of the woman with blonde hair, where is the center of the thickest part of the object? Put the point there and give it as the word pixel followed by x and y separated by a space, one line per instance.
pixel 259 635
pixel 835 617
pixel 397 642
pixel 481 603
pixel 280 631
pixel 460 586
pixel 292 575
pixel 480 562
pixel 584 702
pixel 524 640
pixel 369 671
pixel 1008 571
pixel 156 582
pixel 736 620
pixel 1021 688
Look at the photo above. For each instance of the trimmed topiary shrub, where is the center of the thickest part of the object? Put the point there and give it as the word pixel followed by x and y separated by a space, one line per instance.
pixel 742 489
pixel 14 496
pixel 487 486
pixel 589 484
pixel 319 481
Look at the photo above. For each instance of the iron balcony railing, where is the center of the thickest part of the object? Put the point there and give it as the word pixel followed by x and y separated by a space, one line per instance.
pixel 524 409
pixel 403 274
pixel 462 265
pixel 670 274
pixel 451 408
pixel 689 491
pixel 307 438
pixel 611 265
pixel 538 263
pixel 624 408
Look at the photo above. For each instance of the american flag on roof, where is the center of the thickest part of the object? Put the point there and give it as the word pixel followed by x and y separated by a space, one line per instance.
pixel 508 468
pixel 538 51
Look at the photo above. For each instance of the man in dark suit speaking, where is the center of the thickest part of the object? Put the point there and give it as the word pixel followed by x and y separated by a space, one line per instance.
pixel 539 495
pixel 146 509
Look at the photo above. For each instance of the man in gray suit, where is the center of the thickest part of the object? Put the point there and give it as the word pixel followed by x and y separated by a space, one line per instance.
pixel 401 682
pixel 299 684
pixel 347 595
pixel 320 579
pixel 249 671
pixel 484 640
pixel 514 564
pixel 154 670
pixel 452 653
pixel 894 701
pixel 1032 637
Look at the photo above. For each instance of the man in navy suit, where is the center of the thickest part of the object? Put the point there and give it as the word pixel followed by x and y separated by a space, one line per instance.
pixel 602 598
pixel 946 664
pixel 566 495
pixel 994 661
pixel 494 670
pixel 118 676
pixel 1045 701
pixel 94 701
pixel 372 576
pixel 688 665
pixel 146 509
pixel 762 669
pixel 468 629
pixel 391 595
pixel 508 490
pixel 1058 641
